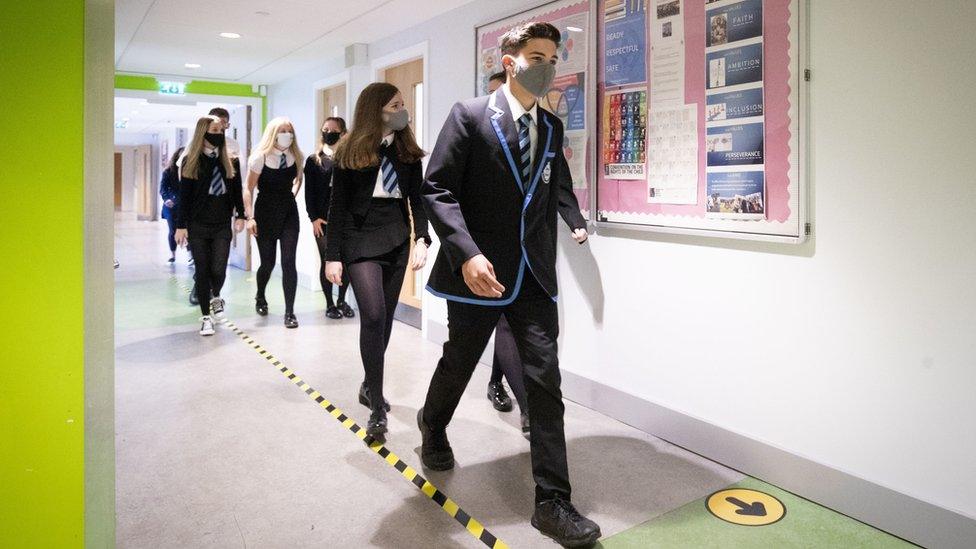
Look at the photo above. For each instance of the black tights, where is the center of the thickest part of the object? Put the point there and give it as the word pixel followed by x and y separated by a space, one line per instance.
pixel 267 249
pixel 507 361
pixel 326 285
pixel 210 268
pixel 377 286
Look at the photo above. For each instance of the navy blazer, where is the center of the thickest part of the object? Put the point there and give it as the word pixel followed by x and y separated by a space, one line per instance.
pixel 193 193
pixel 352 195
pixel 169 190
pixel 477 202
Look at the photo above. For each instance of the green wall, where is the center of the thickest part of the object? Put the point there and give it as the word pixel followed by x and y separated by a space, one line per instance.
pixel 42 485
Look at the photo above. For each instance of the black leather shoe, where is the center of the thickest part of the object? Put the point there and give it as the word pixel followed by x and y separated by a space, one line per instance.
pixel 376 426
pixel 333 312
pixel 193 296
pixel 366 400
pixel 261 306
pixel 346 310
pixel 499 397
pixel 525 425
pixel 559 520
pixel 291 321
pixel 435 451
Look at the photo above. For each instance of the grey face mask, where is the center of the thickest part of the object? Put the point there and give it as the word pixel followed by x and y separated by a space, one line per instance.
pixel 536 79
pixel 396 121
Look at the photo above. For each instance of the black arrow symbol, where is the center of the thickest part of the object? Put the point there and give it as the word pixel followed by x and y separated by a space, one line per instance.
pixel 755 509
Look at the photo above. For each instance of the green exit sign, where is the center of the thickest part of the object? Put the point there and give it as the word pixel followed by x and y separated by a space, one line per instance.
pixel 172 88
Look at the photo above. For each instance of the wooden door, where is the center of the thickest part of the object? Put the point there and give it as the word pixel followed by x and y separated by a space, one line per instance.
pixel 118 182
pixel 334 103
pixel 408 77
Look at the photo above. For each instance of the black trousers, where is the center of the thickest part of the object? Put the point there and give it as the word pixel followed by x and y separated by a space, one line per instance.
pixel 210 248
pixel 507 362
pixel 171 236
pixel 534 321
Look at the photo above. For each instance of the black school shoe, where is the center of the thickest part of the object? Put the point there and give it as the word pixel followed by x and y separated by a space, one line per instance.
pixel 366 400
pixel 291 321
pixel 261 306
pixel 193 296
pixel 346 310
pixel 333 312
pixel 499 397
pixel 376 426
pixel 559 520
pixel 525 425
pixel 435 450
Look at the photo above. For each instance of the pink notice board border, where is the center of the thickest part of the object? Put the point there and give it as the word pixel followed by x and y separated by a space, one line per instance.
pixel 624 202
pixel 489 33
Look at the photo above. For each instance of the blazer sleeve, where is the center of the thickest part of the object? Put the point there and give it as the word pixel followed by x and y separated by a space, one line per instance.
pixel 313 190
pixel 420 231
pixel 167 186
pixel 237 189
pixel 568 205
pixel 340 216
pixel 448 164
pixel 185 187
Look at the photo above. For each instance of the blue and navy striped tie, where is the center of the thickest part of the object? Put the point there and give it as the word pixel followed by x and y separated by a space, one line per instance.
pixel 525 147
pixel 389 175
pixel 217 186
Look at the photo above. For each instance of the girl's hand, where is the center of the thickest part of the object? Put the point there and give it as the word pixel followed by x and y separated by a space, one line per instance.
pixel 419 258
pixel 252 227
pixel 238 225
pixel 180 237
pixel 318 227
pixel 333 272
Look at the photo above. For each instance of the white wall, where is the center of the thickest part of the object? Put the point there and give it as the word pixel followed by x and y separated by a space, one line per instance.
pixel 855 350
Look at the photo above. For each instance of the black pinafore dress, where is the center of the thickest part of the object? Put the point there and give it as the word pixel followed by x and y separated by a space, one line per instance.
pixel 275 210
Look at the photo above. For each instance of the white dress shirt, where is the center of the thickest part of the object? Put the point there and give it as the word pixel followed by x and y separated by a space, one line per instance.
pixel 378 190
pixel 271 160
pixel 517 111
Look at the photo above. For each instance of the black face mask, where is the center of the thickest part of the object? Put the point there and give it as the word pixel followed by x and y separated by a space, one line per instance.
pixel 331 138
pixel 215 139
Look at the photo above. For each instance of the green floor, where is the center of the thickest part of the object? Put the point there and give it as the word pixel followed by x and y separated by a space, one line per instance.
pixel 806 524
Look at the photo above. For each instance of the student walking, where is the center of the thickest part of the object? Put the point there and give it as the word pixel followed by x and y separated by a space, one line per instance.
pixel 169 186
pixel 494 183
pixel 273 217
pixel 318 194
pixel 375 189
pixel 209 195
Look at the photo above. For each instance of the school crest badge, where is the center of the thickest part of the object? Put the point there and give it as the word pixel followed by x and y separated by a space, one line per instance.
pixel 546 173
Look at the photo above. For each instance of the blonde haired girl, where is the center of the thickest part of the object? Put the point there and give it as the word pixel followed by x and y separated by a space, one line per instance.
pixel 273 170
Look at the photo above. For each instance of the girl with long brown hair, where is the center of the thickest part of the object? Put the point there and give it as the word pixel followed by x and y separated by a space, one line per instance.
pixel 209 193
pixel 375 189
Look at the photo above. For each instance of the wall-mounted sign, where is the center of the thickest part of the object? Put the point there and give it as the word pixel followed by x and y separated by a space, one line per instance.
pixel 172 88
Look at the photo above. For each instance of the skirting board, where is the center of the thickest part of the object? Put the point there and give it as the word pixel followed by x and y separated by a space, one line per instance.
pixel 901 515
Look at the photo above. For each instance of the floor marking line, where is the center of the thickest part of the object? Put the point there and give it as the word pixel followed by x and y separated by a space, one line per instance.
pixel 472 526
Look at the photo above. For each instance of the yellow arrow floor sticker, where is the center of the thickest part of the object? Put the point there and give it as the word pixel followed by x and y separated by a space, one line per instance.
pixel 474 527
pixel 745 507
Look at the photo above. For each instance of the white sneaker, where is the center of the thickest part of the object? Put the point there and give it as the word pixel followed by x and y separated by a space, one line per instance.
pixel 207 326
pixel 217 305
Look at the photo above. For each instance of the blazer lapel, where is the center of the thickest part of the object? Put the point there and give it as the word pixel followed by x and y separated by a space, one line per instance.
pixel 501 121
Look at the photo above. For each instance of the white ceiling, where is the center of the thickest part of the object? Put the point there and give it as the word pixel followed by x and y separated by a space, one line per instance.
pixel 143 117
pixel 158 37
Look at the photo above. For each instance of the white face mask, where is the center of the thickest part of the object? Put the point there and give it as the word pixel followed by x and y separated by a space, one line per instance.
pixel 285 140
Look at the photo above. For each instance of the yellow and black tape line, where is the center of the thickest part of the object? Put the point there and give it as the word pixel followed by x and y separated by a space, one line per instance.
pixel 474 527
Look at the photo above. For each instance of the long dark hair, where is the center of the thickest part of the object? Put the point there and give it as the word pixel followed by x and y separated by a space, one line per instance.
pixel 358 150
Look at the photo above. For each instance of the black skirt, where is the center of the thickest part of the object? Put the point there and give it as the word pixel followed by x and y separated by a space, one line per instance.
pixel 384 229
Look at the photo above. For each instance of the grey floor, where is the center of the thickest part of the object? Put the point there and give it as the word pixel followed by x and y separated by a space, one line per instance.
pixel 216 449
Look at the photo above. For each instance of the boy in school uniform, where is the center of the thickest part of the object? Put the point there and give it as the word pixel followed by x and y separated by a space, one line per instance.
pixel 496 180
